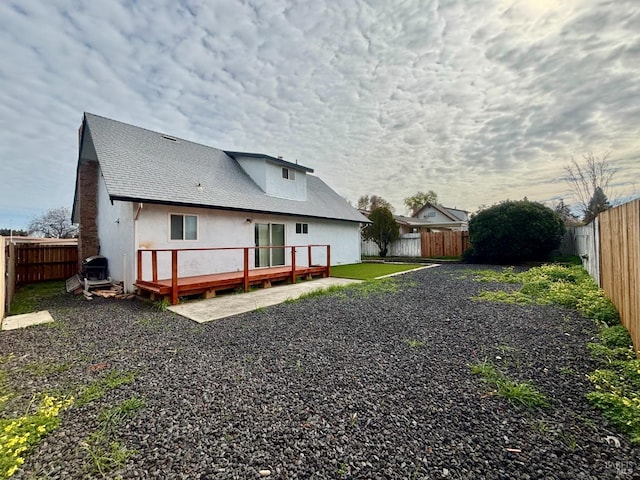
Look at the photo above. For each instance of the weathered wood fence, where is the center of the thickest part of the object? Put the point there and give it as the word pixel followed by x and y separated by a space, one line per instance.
pixel 620 263
pixel 424 244
pixel 34 260
pixel 610 252
pixel 37 263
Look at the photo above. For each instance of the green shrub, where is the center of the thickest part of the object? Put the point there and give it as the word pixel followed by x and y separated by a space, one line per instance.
pixel 515 231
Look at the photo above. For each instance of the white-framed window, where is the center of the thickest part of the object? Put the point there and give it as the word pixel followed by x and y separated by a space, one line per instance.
pixel 183 227
pixel 288 173
pixel 302 228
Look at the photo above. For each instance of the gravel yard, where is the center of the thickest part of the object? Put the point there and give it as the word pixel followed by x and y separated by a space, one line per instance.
pixel 366 387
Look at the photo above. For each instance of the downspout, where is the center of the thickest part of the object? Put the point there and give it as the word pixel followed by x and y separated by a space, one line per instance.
pixel 135 241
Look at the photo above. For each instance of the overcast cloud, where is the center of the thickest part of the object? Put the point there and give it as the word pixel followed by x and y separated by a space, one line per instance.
pixel 478 100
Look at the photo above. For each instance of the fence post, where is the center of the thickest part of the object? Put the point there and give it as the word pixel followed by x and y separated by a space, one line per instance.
pixel 309 256
pixel 139 265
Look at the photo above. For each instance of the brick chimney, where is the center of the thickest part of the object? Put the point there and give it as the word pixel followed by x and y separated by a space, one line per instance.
pixel 87 195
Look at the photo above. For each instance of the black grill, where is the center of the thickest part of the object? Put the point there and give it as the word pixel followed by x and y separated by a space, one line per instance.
pixel 95 267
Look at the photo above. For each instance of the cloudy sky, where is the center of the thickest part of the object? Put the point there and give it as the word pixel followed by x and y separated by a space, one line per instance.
pixel 478 100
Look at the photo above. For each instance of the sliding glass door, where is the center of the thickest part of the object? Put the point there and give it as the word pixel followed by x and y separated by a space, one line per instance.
pixel 269 235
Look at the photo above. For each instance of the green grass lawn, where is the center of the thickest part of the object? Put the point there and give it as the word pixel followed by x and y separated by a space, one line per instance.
pixel 369 271
pixel 27 297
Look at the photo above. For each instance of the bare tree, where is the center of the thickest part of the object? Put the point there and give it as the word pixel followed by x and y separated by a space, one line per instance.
pixel 54 223
pixel 370 203
pixel 586 177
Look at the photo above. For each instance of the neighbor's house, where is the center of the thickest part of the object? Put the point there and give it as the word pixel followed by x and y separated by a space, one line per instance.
pixel 434 218
pixel 140 189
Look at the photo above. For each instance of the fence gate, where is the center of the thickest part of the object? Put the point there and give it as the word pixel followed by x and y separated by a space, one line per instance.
pixel 443 244
pixel 35 263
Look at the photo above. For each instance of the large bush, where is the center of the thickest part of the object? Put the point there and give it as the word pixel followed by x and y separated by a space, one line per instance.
pixel 514 231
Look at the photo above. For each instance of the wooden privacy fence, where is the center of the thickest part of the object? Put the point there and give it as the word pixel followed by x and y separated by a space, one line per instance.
pixel 443 244
pixel 424 244
pixel 620 263
pixel 37 263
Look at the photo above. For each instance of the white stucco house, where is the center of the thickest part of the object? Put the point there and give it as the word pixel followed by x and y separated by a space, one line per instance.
pixel 137 189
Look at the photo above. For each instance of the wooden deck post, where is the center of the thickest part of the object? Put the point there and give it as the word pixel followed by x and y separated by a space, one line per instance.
pixel 293 264
pixel 328 260
pixel 139 264
pixel 154 265
pixel 174 277
pixel 246 269
pixel 309 256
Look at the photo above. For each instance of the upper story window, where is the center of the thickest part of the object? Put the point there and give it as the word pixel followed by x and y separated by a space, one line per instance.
pixel 431 214
pixel 288 173
pixel 302 228
pixel 184 227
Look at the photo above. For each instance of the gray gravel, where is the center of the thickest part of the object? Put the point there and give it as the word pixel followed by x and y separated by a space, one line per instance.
pixel 329 388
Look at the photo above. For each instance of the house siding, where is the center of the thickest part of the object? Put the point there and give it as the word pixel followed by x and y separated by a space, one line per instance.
pixel 284 188
pixel 116 232
pixel 220 228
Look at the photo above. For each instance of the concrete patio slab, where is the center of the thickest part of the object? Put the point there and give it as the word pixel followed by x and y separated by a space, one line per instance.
pixel 26 320
pixel 202 311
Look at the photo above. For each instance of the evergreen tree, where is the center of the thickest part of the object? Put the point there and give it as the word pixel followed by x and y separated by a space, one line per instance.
pixel 598 203
pixel 383 230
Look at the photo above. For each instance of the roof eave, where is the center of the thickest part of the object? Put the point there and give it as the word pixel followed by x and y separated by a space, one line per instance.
pixel 231 209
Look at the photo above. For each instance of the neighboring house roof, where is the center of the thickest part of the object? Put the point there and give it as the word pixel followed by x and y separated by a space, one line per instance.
pixel 447 212
pixel 145 166
pixel 461 214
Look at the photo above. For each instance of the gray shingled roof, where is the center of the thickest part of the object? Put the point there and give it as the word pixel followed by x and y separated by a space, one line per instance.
pixel 143 165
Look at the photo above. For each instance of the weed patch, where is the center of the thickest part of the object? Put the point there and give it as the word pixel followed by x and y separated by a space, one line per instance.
pixel 19 435
pixel 517 393
pixel 617 384
pixel 99 388
pixel 355 290
pixel 569 286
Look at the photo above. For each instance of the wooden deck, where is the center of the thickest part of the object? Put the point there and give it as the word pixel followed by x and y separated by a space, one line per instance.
pixel 208 284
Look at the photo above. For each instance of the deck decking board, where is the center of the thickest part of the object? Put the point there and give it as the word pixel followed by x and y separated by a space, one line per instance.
pixel 198 284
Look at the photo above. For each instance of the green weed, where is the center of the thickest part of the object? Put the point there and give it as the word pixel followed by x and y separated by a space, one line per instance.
pixel 41 369
pixel 570 287
pixel 105 456
pixel 616 337
pixel 105 452
pixel 522 393
pixel 413 343
pixel 518 393
pixel 355 290
pixel 567 371
pixel 162 304
pixel 98 388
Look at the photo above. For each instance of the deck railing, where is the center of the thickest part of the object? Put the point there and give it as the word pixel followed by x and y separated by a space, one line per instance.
pixel 175 274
